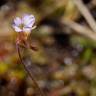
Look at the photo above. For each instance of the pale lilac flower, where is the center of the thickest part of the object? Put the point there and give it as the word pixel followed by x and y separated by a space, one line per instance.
pixel 24 24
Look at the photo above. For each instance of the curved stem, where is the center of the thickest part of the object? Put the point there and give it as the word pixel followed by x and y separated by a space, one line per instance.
pixel 29 73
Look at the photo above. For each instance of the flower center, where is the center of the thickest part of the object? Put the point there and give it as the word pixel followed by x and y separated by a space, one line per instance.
pixel 21 26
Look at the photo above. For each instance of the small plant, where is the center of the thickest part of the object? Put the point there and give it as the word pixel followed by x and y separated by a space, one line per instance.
pixel 24 26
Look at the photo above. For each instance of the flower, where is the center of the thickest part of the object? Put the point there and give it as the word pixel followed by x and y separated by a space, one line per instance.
pixel 24 24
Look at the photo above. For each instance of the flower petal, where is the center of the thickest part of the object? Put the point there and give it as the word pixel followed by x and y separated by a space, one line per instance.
pixel 17 21
pixel 16 28
pixel 28 20
pixel 30 23
pixel 27 29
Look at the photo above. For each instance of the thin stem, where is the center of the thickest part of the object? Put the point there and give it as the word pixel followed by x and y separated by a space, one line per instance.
pixel 29 73
pixel 29 46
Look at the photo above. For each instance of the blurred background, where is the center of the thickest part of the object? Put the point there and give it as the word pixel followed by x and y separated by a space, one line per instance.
pixel 65 62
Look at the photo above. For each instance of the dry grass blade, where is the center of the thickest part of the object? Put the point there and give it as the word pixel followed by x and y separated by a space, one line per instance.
pixel 86 14
pixel 80 29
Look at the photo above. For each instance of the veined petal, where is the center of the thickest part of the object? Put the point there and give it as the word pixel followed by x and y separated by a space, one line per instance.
pixel 28 20
pixel 16 28
pixel 17 21
pixel 30 23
